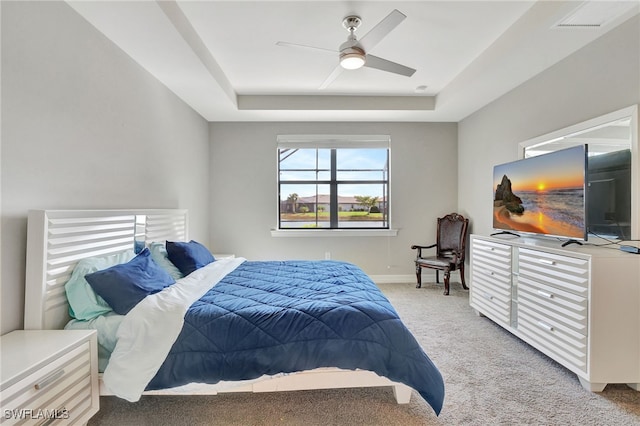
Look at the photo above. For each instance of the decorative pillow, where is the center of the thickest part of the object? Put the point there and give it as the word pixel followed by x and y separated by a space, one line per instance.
pixel 160 256
pixel 124 286
pixel 84 303
pixel 188 256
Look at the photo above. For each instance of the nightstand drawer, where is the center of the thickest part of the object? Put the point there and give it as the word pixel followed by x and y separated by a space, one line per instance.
pixel 52 391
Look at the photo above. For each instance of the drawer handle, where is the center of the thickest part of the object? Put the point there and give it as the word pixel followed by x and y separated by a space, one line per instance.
pixel 487 296
pixel 49 379
pixel 545 294
pixel 547 261
pixel 545 326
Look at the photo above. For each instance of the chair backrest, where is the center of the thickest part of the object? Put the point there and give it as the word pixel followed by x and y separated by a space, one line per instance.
pixel 452 234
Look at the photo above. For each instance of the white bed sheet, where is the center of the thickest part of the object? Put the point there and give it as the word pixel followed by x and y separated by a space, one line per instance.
pixel 148 331
pixel 132 347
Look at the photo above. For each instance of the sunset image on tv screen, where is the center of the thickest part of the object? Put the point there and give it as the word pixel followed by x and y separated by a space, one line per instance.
pixel 542 195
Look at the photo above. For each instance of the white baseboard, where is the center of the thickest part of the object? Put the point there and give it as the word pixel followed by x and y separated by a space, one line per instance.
pixel 406 278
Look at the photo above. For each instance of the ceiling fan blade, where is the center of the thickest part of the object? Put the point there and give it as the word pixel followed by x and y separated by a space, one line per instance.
pixel 334 74
pixel 302 46
pixel 380 31
pixel 384 65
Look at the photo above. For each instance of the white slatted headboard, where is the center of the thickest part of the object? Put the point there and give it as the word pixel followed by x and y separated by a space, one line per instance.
pixel 58 239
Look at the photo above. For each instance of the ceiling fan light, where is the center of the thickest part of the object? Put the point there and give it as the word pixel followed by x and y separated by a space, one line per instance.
pixel 352 59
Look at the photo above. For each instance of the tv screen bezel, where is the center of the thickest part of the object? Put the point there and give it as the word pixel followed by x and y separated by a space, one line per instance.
pixel 567 238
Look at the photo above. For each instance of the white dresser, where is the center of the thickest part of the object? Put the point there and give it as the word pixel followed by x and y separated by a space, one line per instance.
pixel 48 377
pixel 580 305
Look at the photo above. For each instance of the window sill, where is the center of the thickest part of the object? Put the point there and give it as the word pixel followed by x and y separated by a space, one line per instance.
pixel 334 233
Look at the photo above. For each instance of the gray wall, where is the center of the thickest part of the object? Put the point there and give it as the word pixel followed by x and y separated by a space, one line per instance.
pixel 83 126
pixel 602 77
pixel 244 192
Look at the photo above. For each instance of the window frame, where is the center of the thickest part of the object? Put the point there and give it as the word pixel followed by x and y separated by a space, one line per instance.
pixel 334 143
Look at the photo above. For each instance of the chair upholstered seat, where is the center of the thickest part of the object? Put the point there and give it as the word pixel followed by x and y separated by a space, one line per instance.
pixel 450 250
pixel 435 262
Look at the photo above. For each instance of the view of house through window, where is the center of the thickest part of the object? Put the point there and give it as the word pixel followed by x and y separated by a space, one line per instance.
pixel 333 187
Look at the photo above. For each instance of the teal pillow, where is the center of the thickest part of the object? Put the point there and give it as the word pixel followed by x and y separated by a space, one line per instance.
pixel 188 256
pixel 84 303
pixel 124 286
pixel 160 256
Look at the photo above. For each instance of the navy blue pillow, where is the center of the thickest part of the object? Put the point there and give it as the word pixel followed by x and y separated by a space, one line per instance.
pixel 188 256
pixel 123 286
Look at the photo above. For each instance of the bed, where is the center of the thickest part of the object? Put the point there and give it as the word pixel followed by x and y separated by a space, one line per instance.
pixel 232 325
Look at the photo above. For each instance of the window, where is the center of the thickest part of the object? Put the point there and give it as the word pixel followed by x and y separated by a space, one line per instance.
pixel 333 182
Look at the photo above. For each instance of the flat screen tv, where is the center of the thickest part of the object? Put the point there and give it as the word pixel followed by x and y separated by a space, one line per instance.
pixel 543 195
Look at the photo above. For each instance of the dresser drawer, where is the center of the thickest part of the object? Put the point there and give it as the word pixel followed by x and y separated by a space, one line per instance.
pixel 490 275
pixel 558 307
pixel 491 279
pixel 492 258
pixel 493 301
pixel 57 391
pixel 563 272
pixel 561 343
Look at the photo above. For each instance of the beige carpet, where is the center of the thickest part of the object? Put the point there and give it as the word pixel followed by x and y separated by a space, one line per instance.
pixel 491 378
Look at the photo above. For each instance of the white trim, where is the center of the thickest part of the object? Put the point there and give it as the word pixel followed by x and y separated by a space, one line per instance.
pixel 427 276
pixel 334 141
pixel 394 279
pixel 334 232
pixel 629 112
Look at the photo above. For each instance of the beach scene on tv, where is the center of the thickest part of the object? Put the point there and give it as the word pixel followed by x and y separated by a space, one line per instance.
pixel 542 195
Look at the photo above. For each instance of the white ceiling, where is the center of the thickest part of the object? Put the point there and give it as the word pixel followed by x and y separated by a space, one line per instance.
pixel 221 57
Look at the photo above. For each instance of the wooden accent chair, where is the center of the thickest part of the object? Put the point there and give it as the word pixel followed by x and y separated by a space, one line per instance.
pixel 450 250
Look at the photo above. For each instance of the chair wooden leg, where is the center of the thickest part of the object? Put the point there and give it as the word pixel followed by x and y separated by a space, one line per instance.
pixel 418 276
pixel 437 276
pixel 464 285
pixel 446 282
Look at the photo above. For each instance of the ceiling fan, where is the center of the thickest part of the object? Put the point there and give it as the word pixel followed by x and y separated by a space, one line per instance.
pixel 353 52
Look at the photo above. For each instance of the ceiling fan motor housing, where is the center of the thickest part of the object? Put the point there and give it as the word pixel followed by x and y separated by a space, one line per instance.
pixel 351 23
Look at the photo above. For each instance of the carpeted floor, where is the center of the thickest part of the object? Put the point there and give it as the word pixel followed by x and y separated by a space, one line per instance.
pixel 491 378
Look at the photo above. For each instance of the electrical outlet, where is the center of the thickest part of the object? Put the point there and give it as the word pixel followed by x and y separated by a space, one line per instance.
pixel 327 255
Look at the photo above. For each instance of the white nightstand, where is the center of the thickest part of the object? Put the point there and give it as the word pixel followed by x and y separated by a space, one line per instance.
pixel 49 376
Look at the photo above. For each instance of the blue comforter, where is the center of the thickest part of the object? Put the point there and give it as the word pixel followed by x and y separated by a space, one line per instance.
pixel 286 316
